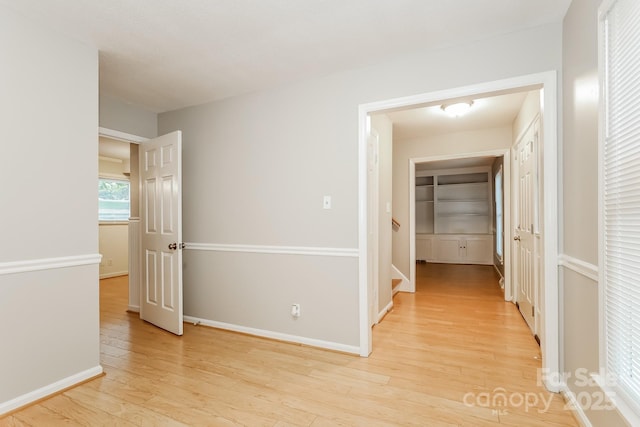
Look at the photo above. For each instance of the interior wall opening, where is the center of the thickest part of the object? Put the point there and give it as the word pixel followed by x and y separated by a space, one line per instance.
pixel 458 141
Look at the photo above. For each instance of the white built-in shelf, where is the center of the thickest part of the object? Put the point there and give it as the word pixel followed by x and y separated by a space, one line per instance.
pixel 456 201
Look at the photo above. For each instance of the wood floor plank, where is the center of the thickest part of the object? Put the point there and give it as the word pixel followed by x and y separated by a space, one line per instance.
pixel 39 415
pixel 434 354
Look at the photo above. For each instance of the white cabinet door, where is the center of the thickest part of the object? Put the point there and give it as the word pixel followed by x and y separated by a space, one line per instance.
pixel 479 250
pixel 463 249
pixel 448 249
pixel 424 247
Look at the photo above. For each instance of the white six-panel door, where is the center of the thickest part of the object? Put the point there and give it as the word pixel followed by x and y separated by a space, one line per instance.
pixel 524 243
pixel 161 228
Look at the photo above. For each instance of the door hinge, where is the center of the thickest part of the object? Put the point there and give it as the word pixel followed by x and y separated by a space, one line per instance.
pixel 533 311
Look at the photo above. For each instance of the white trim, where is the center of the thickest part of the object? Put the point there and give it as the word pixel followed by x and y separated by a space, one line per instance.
pixel 548 81
pixel 384 311
pixel 411 286
pixel 274 335
pixel 506 226
pixel 363 275
pixel 13 267
pixel 48 390
pixel 135 262
pixel 116 274
pixel 283 250
pixel 602 338
pixel 573 404
pixel 584 268
pixel 121 136
pixel 117 222
pixel 133 308
pixel 497 270
pixel 397 274
pixel 551 314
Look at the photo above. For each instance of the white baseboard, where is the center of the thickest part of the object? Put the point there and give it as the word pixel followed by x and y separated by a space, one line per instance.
pixel 384 311
pixel 570 398
pixel 48 390
pixel 133 308
pixel 116 274
pixel 275 335
pixel 498 271
pixel 405 285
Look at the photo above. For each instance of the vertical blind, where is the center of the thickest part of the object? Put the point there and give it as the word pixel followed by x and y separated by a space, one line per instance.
pixel 621 195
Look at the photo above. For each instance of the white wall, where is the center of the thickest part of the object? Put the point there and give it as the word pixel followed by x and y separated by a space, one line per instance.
pixel 529 110
pixel 383 126
pixel 580 313
pixel 118 115
pixel 114 248
pixel 257 166
pixel 430 146
pixel 48 256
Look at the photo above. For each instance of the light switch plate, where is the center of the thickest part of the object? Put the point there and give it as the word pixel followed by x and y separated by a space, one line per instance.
pixel 326 202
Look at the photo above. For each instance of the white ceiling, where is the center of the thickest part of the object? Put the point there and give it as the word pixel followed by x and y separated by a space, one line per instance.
pixel 486 112
pixel 167 54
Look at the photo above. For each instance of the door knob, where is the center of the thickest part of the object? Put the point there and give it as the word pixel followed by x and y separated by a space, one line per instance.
pixel 516 238
pixel 173 246
pixel 182 246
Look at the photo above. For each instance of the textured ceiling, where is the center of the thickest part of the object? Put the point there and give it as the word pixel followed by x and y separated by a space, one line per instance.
pixel 167 54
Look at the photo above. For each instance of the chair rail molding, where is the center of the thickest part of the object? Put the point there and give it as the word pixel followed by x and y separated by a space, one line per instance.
pixel 283 250
pixel 579 266
pixel 25 266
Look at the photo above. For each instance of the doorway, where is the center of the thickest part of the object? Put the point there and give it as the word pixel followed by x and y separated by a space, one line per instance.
pixel 461 218
pixel 133 222
pixel 548 292
pixel 114 204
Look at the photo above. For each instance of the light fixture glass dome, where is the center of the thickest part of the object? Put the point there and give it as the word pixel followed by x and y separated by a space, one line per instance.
pixel 458 109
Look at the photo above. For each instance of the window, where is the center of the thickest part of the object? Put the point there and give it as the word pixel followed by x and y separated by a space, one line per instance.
pixel 113 200
pixel 620 200
pixel 499 207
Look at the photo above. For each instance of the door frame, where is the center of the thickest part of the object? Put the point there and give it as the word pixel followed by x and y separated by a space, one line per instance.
pixel 133 304
pixel 374 210
pixel 505 153
pixel 550 344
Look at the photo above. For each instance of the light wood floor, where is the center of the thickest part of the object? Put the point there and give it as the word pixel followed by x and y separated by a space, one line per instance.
pixel 440 358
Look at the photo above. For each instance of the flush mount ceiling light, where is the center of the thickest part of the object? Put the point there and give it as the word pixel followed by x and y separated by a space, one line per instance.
pixel 458 109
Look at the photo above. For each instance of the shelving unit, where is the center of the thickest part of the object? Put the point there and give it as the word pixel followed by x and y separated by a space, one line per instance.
pixel 463 204
pixel 424 204
pixel 453 216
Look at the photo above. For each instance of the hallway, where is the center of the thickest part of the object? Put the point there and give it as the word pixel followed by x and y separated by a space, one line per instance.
pixel 436 357
pixel 459 338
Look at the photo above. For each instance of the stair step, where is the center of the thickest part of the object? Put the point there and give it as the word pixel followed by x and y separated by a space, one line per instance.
pixel 395 282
